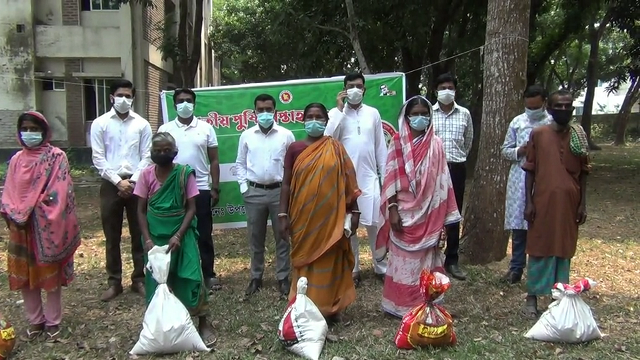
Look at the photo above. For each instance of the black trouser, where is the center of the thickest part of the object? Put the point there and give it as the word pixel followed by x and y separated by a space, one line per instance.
pixel 458 172
pixel 112 207
pixel 205 228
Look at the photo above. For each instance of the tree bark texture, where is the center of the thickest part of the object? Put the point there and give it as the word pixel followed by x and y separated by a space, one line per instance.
pixel 355 40
pixel 622 120
pixel 594 34
pixel 505 76
pixel 189 44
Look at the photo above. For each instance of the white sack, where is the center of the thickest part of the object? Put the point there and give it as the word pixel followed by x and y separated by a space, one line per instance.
pixel 167 327
pixel 303 329
pixel 568 319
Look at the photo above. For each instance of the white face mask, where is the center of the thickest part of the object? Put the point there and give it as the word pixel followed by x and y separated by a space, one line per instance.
pixel 354 96
pixel 185 110
pixel 122 104
pixel 446 96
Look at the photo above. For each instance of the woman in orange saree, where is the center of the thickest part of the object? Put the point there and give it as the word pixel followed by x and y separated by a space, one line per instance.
pixel 318 191
pixel 38 205
pixel 418 201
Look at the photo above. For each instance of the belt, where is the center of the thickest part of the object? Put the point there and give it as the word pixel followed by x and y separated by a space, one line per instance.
pixel 265 186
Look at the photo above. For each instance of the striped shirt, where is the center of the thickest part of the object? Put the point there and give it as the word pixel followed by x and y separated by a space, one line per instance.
pixel 456 131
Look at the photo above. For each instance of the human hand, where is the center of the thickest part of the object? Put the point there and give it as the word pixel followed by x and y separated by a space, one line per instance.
pixel 529 213
pixel 521 151
pixel 174 243
pixel 340 99
pixel 124 195
pixel 215 197
pixel 582 214
pixel 394 219
pixel 148 245
pixel 285 228
pixel 125 186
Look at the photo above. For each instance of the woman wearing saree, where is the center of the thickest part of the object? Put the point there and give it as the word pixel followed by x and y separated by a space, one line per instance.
pixel 318 191
pixel 166 211
pixel 38 205
pixel 418 201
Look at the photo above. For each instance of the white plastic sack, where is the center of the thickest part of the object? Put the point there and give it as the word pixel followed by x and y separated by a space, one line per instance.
pixel 303 329
pixel 347 225
pixel 568 319
pixel 167 327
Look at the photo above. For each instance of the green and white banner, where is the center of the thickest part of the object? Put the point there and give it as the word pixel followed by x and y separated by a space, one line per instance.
pixel 229 109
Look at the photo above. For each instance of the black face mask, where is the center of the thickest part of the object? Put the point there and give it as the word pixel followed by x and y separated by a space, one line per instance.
pixel 163 159
pixel 561 116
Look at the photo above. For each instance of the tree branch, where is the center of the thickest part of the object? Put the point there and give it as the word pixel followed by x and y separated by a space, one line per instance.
pixel 331 28
pixel 353 35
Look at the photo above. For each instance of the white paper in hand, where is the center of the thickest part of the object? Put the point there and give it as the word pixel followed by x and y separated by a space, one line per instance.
pixel 167 327
pixel 303 329
pixel 347 225
pixel 568 319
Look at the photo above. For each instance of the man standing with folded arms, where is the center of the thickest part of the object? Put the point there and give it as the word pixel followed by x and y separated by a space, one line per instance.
pixel 198 148
pixel 260 169
pixel 120 146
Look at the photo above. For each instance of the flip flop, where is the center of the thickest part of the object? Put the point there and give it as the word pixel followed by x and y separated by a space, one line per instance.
pixel 33 333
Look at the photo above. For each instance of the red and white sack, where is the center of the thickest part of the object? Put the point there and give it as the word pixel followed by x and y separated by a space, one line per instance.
pixel 303 329
pixel 568 319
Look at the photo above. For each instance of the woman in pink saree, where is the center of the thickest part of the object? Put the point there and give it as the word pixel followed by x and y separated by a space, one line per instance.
pixel 417 202
pixel 38 206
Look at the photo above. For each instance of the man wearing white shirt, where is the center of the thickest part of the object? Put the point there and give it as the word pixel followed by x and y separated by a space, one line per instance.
pixel 359 128
pixel 120 146
pixel 260 168
pixel 198 148
pixel 452 123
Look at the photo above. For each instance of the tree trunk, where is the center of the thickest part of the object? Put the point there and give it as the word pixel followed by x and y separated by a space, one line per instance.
pixel 355 40
pixel 622 120
pixel 195 53
pixel 505 76
pixel 185 66
pixel 594 34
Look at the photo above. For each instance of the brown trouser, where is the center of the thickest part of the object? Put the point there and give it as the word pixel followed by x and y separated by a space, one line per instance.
pixel 112 207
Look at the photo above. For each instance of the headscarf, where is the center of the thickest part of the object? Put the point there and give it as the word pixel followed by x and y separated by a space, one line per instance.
pixel 38 192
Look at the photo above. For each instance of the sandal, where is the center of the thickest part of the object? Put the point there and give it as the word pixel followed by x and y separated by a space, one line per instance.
pixel 33 332
pixel 53 333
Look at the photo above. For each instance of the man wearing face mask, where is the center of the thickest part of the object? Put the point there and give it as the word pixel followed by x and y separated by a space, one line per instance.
pixel 198 148
pixel 452 123
pixel 556 166
pixel 359 128
pixel 514 150
pixel 260 169
pixel 121 145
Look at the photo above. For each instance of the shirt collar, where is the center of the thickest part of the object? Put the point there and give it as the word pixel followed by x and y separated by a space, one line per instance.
pixel 192 124
pixel 437 107
pixel 274 128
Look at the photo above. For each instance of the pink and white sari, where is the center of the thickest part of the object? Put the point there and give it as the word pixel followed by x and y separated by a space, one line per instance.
pixel 417 174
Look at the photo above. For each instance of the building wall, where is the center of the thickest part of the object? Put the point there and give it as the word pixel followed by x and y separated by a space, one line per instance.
pixel 156 78
pixel 16 66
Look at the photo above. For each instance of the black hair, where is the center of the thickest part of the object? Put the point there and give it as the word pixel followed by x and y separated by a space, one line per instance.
pixel 122 84
pixel 413 102
pixel 34 119
pixel 557 93
pixel 352 77
pixel 184 91
pixel 264 97
pixel 535 91
pixel 322 108
pixel 445 78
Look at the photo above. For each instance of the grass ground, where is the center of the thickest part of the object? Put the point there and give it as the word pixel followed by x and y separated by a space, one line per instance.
pixel 489 324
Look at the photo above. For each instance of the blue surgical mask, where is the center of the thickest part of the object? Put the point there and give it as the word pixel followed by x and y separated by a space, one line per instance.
pixel 535 115
pixel 31 139
pixel 314 128
pixel 265 119
pixel 184 110
pixel 419 123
